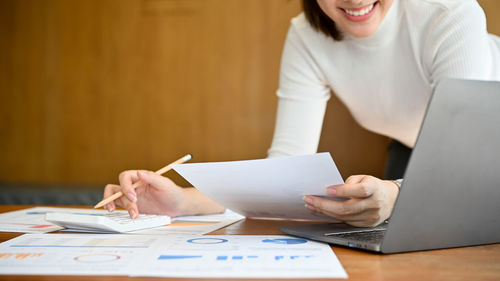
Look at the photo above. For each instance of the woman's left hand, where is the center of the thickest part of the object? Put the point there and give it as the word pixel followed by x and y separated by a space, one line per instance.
pixel 370 201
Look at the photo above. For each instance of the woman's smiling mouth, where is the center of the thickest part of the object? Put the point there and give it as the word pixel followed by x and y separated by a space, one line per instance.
pixel 360 14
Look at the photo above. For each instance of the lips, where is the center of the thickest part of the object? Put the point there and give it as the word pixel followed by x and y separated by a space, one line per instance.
pixel 361 13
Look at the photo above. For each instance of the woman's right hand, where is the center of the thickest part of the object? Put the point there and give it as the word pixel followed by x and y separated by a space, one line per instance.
pixel 158 195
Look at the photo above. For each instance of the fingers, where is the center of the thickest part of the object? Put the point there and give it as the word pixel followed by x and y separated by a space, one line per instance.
pixel 128 186
pixel 356 212
pixel 127 179
pixel 371 201
pixel 354 187
pixel 122 201
pixel 109 190
pixel 334 208
pixel 355 178
pixel 154 180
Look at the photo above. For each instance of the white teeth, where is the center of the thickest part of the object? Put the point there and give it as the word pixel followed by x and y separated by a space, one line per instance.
pixel 360 13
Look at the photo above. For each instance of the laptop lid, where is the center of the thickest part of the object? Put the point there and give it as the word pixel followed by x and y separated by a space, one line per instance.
pixel 451 193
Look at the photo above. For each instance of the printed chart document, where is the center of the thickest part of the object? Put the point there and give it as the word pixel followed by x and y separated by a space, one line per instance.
pixel 215 256
pixel 72 254
pixel 32 220
pixel 265 188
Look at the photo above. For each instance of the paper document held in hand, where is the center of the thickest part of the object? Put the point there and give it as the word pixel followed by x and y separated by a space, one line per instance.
pixel 265 188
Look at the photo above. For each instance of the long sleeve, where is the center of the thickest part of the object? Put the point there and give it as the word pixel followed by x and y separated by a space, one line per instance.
pixel 459 46
pixel 303 95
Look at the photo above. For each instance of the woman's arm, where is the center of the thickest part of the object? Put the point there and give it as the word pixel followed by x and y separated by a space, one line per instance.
pixel 303 94
pixel 302 97
pixel 458 46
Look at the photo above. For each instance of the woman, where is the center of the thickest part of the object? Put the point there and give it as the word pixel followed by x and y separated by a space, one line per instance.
pixel 382 59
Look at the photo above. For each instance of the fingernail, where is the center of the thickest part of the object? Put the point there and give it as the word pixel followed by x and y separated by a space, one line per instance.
pixel 308 200
pixel 132 197
pixel 331 191
pixel 311 208
pixel 132 214
pixel 142 175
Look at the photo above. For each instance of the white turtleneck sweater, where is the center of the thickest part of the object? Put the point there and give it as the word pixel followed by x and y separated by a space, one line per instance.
pixel 386 79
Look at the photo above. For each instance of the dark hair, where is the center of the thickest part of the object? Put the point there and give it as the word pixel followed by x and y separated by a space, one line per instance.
pixel 319 20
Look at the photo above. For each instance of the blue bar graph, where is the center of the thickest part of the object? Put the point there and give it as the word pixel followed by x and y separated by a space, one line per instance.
pixel 177 257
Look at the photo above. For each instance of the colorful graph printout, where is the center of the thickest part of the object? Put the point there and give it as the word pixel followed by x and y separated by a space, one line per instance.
pixel 32 220
pixel 209 256
pixel 241 256
pixel 72 254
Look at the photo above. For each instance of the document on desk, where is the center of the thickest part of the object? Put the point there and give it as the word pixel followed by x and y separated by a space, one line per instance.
pixel 194 225
pixel 265 188
pixel 32 220
pixel 214 256
pixel 73 254
pixel 240 256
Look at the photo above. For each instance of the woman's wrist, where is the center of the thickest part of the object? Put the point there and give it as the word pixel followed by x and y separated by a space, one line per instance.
pixel 196 203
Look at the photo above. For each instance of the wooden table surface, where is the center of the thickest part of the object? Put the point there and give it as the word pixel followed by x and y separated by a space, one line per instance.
pixel 468 263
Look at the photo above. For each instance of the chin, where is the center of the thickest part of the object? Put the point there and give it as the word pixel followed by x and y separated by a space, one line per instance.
pixel 361 32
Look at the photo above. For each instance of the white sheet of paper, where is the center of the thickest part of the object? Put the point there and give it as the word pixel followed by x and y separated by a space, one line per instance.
pixel 216 256
pixel 32 220
pixel 265 188
pixel 240 256
pixel 73 254
pixel 194 225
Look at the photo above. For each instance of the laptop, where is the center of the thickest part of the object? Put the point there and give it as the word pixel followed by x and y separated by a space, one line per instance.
pixel 450 196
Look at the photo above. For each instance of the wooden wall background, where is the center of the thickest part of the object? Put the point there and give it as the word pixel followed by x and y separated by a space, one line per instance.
pixel 93 87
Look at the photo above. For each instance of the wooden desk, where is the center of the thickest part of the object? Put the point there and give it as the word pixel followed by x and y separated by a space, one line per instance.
pixel 469 263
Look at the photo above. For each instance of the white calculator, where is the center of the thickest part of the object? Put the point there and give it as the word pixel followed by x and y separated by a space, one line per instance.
pixel 118 221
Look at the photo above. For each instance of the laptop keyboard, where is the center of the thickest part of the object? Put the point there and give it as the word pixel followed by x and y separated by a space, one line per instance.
pixel 372 236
